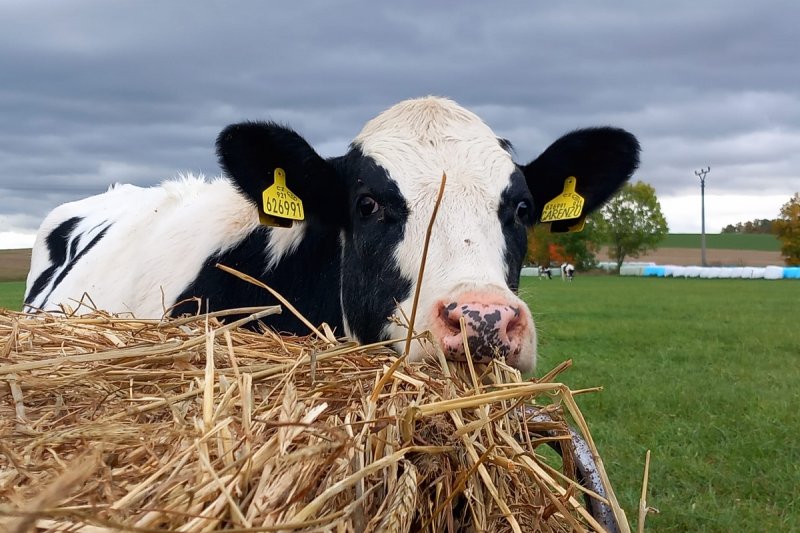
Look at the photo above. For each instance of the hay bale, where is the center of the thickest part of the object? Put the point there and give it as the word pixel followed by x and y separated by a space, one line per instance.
pixel 111 423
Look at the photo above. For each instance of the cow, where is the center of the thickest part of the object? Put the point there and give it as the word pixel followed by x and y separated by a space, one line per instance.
pixel 567 271
pixel 353 261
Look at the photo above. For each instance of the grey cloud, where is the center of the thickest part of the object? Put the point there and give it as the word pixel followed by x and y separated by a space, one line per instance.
pixel 96 92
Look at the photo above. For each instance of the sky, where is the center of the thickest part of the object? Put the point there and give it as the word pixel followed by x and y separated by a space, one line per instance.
pixel 97 92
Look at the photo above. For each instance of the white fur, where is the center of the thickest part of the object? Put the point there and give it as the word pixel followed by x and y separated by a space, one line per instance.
pixel 416 141
pixel 158 241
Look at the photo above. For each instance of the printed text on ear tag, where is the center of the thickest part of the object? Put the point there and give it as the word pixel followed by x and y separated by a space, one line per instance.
pixel 566 206
pixel 280 206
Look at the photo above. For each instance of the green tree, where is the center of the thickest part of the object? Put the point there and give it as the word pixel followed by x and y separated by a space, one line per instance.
pixel 581 247
pixel 787 227
pixel 632 222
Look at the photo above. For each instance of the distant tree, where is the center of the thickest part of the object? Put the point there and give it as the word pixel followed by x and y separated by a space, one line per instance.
pixel 580 248
pixel 787 227
pixel 539 240
pixel 632 222
pixel 757 225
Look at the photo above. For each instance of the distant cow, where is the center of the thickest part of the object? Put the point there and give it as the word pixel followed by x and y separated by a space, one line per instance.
pixel 567 271
pixel 353 261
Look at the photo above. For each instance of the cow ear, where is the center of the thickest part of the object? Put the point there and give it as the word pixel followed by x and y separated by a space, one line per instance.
pixel 600 159
pixel 250 152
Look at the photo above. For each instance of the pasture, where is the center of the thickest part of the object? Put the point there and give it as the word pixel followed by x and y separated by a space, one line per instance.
pixel 701 372
pixel 723 241
pixel 11 293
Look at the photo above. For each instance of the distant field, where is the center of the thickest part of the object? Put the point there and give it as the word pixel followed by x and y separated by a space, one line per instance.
pixel 702 372
pixel 14 264
pixel 714 257
pixel 723 241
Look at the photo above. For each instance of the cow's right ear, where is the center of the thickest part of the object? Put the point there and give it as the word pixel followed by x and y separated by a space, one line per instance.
pixel 250 152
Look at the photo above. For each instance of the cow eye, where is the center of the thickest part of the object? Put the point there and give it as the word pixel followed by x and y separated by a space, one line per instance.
pixel 523 211
pixel 366 206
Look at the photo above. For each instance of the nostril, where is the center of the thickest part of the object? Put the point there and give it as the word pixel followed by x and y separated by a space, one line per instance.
pixel 449 318
pixel 516 325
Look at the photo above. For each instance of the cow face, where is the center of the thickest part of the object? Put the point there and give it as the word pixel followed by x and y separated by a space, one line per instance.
pixel 381 196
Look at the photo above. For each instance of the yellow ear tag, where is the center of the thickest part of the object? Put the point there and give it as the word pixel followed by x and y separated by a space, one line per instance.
pixel 566 206
pixel 280 205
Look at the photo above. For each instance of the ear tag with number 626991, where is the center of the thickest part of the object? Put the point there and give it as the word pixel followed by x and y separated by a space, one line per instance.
pixel 567 206
pixel 280 206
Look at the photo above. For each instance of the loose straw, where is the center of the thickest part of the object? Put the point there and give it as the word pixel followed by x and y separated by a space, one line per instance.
pixel 422 264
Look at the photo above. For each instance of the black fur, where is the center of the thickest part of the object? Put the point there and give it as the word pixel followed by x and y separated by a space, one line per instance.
pixel 308 278
pixel 371 281
pixel 515 228
pixel 57 242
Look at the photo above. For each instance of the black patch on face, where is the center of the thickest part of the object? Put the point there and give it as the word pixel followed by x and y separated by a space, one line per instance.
pixel 317 272
pixel 515 221
pixel 371 280
pixel 308 278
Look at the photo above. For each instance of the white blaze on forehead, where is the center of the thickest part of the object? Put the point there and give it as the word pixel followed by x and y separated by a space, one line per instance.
pixel 415 142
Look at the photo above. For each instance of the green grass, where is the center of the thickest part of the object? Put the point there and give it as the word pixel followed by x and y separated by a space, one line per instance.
pixel 702 372
pixel 723 241
pixel 11 293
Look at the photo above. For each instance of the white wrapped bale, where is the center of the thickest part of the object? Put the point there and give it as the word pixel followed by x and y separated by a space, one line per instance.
pixel 773 272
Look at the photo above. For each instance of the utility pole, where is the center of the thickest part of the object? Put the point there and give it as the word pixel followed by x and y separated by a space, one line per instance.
pixel 702 175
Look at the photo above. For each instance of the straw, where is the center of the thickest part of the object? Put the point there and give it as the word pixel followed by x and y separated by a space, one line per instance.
pixel 110 423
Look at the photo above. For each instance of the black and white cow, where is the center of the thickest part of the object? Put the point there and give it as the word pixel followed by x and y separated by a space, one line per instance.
pixel 353 262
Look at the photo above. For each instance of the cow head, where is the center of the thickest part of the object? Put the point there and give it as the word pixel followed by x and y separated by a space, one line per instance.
pixel 380 195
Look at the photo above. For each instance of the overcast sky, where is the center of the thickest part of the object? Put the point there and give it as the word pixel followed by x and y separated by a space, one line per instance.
pixel 97 92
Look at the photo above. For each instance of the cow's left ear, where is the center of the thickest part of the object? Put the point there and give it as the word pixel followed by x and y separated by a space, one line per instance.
pixel 250 152
pixel 600 159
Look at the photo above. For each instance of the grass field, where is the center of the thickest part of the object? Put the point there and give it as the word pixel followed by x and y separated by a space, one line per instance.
pixel 702 372
pixel 723 241
pixel 11 293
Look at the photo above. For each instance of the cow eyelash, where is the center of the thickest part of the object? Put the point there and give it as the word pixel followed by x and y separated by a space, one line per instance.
pixel 523 211
pixel 366 205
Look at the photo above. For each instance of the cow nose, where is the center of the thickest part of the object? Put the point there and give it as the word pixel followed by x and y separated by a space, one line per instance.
pixel 493 330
